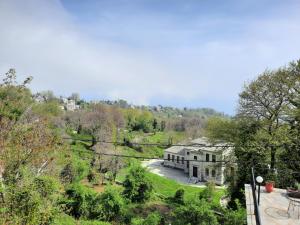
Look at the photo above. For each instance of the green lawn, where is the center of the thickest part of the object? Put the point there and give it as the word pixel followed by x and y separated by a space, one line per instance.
pixel 164 187
pixel 168 187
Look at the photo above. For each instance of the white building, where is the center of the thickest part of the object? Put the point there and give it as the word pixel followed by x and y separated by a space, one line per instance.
pixel 200 162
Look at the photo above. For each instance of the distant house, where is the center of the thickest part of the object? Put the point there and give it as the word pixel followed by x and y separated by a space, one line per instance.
pixel 200 162
pixel 68 104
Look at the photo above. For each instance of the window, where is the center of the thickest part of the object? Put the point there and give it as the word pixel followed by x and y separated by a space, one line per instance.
pixel 173 158
pixel 187 164
pixel 207 172
pixel 169 157
pixel 177 159
pixel 188 153
pixel 213 173
pixel 195 157
pixel 207 157
pixel 182 160
pixel 213 158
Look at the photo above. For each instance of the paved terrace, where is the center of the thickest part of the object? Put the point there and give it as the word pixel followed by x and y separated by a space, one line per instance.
pixel 273 208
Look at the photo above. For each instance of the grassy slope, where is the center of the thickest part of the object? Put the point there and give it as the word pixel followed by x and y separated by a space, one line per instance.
pixel 164 187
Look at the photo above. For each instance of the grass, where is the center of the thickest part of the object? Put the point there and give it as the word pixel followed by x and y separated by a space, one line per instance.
pixel 167 188
pixel 164 187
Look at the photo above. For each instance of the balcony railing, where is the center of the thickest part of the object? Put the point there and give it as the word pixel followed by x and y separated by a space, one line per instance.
pixel 255 201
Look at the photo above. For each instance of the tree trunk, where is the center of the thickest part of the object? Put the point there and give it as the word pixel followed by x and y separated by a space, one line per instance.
pixel 273 154
pixel 94 142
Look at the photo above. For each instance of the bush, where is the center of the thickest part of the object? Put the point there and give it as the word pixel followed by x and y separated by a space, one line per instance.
pixel 235 217
pixel 195 213
pixel 30 201
pixel 107 206
pixel 78 201
pixel 152 219
pixel 93 177
pixel 74 171
pixel 179 196
pixel 137 186
pixel 208 192
pixel 46 185
pixel 68 173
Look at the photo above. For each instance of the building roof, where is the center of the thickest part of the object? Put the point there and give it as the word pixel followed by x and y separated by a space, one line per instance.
pixel 200 144
pixel 179 150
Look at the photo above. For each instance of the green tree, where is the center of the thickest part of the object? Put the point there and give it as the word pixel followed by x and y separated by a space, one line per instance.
pixel 137 186
pixel 78 201
pixel 107 206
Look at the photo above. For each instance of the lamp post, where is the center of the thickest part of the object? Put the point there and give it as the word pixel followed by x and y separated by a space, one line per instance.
pixel 259 180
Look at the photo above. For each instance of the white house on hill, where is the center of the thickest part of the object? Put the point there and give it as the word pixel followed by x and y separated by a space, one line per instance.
pixel 200 160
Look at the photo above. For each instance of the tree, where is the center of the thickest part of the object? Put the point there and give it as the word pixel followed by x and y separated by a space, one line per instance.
pixel 107 206
pixel 47 96
pixel 78 201
pixel 75 97
pixel 75 120
pixel 15 98
pixel 264 100
pixel 137 186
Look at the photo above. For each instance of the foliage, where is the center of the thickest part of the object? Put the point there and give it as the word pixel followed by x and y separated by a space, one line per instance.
pixel 82 202
pixel 47 109
pixel 93 177
pixel 151 219
pixel 107 206
pixel 179 196
pixel 235 217
pixel 75 170
pixel 78 201
pixel 208 192
pixel 140 120
pixel 14 98
pixel 137 186
pixel 26 202
pixel 194 213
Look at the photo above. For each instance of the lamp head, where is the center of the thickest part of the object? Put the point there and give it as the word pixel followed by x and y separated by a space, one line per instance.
pixel 259 179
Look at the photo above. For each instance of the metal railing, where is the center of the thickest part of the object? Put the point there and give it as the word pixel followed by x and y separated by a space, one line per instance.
pixel 256 209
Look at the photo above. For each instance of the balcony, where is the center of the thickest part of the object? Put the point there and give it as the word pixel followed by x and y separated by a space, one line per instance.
pixel 273 208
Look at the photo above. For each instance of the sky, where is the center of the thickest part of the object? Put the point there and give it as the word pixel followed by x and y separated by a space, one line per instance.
pixel 192 53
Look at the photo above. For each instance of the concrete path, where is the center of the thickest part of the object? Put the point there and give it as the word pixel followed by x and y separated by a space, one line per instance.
pixel 155 166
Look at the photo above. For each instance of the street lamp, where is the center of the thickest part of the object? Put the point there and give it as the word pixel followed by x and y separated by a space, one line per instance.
pixel 259 180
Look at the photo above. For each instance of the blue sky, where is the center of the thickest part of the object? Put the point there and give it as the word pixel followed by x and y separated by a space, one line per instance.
pixel 195 53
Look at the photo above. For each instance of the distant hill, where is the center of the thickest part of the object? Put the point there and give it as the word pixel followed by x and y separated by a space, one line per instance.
pixel 168 111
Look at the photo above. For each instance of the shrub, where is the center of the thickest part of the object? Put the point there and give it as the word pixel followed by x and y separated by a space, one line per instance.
pixel 208 192
pixel 152 219
pixel 78 201
pixel 235 217
pixel 46 185
pixel 93 177
pixel 107 206
pixel 74 171
pixel 195 213
pixel 137 186
pixel 179 196
pixel 68 173
pixel 25 203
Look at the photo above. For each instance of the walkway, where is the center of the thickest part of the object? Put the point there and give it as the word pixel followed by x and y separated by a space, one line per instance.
pixel 155 166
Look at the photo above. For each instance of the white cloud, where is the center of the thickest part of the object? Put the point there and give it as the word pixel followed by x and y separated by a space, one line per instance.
pixel 175 65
